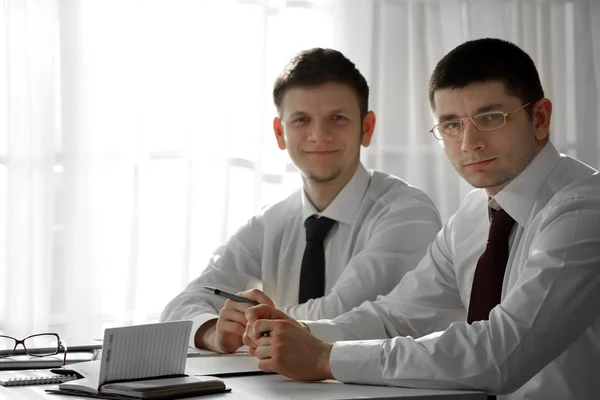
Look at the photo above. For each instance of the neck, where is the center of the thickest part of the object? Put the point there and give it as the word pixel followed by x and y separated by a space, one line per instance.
pixel 321 194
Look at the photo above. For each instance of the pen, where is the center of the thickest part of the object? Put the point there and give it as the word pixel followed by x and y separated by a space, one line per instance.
pixel 234 297
pixel 96 355
pixel 231 296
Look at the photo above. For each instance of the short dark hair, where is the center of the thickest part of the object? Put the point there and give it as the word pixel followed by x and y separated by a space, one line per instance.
pixel 485 60
pixel 319 66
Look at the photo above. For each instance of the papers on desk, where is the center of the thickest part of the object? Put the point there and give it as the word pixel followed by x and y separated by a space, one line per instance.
pixel 78 351
pixel 196 352
pixel 28 362
pixel 223 365
pixel 206 362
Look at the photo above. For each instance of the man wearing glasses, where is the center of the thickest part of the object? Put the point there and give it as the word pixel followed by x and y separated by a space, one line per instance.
pixel 506 298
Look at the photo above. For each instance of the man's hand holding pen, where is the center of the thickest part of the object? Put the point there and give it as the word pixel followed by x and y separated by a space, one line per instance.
pixel 224 335
pixel 289 349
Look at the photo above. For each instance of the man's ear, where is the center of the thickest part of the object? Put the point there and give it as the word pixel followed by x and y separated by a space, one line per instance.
pixel 542 112
pixel 278 129
pixel 368 128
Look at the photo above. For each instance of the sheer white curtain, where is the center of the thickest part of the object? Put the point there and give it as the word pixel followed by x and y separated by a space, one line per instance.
pixel 28 121
pixel 403 40
pixel 135 135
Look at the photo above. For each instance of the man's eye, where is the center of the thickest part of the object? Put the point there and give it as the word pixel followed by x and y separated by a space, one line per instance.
pixel 339 118
pixel 452 125
pixel 493 117
pixel 300 120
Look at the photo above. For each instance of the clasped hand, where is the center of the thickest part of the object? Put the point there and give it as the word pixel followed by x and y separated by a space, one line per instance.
pixel 224 335
pixel 284 346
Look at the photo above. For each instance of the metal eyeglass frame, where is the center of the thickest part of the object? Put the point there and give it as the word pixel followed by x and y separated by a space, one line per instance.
pixel 462 122
pixel 51 350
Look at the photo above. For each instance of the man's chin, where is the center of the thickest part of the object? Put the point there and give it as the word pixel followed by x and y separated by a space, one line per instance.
pixel 323 178
pixel 487 183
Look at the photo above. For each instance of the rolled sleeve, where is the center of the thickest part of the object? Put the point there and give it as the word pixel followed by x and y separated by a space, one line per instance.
pixel 325 330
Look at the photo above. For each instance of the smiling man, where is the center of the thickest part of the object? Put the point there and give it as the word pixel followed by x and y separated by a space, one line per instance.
pixel 506 298
pixel 345 237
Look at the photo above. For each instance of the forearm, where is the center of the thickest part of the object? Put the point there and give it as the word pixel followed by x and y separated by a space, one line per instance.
pixel 545 312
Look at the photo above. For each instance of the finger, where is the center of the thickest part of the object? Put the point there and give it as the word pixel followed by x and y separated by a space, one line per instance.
pixel 263 352
pixel 248 341
pixel 262 312
pixel 264 341
pixel 266 365
pixel 258 296
pixel 263 328
pixel 228 327
pixel 236 305
pixel 226 314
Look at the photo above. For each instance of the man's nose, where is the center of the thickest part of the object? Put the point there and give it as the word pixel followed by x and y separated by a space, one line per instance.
pixel 320 130
pixel 472 138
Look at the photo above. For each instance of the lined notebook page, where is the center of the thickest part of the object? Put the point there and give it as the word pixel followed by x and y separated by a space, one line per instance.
pixel 144 351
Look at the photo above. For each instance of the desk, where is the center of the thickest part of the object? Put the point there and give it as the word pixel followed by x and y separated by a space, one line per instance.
pixel 278 387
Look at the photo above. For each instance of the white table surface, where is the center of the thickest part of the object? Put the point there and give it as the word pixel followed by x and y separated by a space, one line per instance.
pixel 277 387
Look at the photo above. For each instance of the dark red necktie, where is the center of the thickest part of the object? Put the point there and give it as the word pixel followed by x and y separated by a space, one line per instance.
pixel 312 274
pixel 489 272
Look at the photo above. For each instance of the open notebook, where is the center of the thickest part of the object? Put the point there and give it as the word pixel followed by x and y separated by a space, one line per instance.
pixel 143 361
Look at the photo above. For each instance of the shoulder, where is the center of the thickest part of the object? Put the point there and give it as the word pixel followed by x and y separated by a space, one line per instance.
pixel 273 217
pixel 288 206
pixel 567 172
pixel 570 184
pixel 571 216
pixel 390 191
pixel 583 193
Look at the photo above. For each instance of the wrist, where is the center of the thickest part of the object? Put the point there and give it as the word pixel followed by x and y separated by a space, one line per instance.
pixel 324 365
pixel 205 335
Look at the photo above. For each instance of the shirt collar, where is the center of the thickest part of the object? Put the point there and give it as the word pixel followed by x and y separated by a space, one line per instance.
pixel 518 197
pixel 345 205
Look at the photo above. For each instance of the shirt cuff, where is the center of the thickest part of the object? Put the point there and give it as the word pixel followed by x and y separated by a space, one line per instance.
pixel 357 361
pixel 325 330
pixel 197 322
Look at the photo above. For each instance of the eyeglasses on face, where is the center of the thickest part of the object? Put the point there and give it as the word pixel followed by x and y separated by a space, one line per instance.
pixel 487 121
pixel 38 345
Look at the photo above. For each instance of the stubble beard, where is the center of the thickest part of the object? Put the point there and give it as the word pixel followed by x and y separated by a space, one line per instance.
pixel 335 174
pixel 505 178
pixel 324 179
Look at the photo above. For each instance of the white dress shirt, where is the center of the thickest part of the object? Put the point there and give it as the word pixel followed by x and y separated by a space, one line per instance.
pixel 383 229
pixel 541 342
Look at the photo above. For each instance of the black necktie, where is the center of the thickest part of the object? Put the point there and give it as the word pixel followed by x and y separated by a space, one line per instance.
pixel 312 274
pixel 489 272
